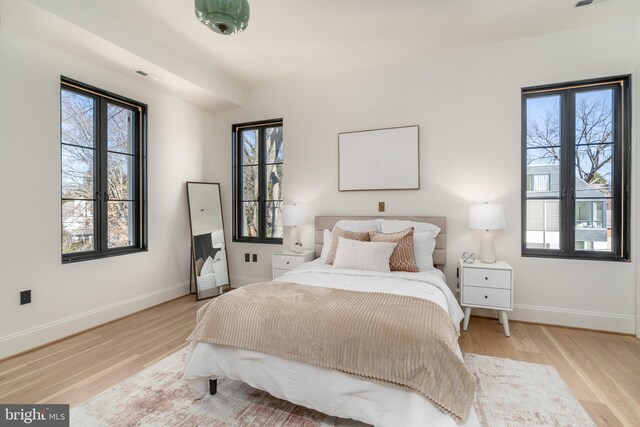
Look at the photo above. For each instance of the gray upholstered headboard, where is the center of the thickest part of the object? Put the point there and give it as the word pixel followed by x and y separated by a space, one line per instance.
pixel 439 254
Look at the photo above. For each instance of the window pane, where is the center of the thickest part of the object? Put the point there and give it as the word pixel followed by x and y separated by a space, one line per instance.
pixel 121 224
pixel 543 224
pixel 542 156
pixel 250 183
pixel 543 121
pixel 273 145
pixel 77 226
pixel 120 129
pixel 274 182
pixel 543 172
pixel 77 121
pixel 77 172
pixel 594 167
pixel 274 219
pixel 249 218
pixel 120 176
pixel 594 116
pixel 593 225
pixel 249 147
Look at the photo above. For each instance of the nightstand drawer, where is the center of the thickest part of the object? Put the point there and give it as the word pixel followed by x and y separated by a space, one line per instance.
pixel 287 262
pixel 487 297
pixel 487 278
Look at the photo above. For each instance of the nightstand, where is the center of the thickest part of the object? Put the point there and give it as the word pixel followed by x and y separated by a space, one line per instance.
pixel 487 286
pixel 286 260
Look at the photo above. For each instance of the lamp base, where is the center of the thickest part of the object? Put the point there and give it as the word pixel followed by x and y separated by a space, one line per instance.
pixel 294 240
pixel 487 249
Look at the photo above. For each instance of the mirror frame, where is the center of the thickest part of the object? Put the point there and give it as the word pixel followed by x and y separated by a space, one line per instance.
pixel 192 272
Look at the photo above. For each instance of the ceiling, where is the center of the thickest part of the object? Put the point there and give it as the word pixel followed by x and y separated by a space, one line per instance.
pixel 292 38
pixel 309 37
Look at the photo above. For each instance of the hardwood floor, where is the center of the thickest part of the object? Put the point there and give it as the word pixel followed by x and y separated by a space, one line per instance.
pixel 73 370
pixel 602 370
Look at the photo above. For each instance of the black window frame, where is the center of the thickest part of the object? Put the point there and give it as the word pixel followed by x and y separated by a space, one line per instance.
pixel 262 185
pixel 621 175
pixel 102 98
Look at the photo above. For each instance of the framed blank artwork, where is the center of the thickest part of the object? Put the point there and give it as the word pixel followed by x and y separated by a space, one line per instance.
pixel 379 159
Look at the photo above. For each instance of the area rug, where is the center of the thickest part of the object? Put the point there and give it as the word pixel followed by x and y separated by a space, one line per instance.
pixel 509 393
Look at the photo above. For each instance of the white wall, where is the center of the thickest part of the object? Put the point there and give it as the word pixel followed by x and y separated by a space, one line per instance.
pixel 467 104
pixel 69 298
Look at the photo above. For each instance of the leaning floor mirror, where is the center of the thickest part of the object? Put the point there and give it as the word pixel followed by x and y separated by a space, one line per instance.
pixel 208 246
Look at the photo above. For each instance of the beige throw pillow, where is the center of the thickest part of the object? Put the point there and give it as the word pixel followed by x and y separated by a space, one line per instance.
pixel 361 236
pixel 403 257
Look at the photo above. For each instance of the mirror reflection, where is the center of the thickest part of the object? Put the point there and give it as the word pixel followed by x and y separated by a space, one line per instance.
pixel 209 254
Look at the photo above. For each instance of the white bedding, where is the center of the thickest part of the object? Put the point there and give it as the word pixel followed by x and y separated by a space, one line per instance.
pixel 206 281
pixel 327 390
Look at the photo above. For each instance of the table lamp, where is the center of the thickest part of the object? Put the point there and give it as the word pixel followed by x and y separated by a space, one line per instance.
pixel 294 216
pixel 487 217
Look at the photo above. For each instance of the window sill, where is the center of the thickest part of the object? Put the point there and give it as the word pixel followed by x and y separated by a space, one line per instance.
pixel 99 255
pixel 578 257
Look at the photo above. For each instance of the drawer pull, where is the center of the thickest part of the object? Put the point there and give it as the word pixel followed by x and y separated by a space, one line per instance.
pixel 486 278
pixel 287 262
pixel 486 296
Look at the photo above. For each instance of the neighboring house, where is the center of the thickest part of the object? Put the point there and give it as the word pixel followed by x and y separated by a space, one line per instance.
pixel 77 218
pixel 593 214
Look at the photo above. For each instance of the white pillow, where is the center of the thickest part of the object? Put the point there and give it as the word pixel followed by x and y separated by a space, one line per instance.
pixel 396 225
pixel 359 224
pixel 327 237
pixel 358 255
pixel 218 257
pixel 207 267
pixel 217 237
pixel 423 246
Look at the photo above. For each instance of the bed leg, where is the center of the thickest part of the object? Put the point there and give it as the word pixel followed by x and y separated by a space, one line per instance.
pixel 213 387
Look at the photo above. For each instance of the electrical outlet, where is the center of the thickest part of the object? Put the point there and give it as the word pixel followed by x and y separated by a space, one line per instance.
pixel 380 206
pixel 247 258
pixel 255 257
pixel 25 297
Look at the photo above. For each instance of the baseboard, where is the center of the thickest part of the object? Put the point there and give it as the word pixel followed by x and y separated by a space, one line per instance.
pixel 237 281
pixel 52 331
pixel 609 322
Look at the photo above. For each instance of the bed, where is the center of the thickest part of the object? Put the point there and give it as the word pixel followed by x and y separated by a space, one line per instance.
pixel 331 391
pixel 209 251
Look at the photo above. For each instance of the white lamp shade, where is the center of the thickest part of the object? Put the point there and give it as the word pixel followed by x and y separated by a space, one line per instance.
pixel 487 216
pixel 293 215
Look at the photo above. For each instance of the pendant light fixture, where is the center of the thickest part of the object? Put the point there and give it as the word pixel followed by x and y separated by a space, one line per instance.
pixel 223 16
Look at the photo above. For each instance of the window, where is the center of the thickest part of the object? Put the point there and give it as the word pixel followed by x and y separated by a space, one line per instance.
pixel 103 161
pixel 257 182
pixel 538 182
pixel 576 169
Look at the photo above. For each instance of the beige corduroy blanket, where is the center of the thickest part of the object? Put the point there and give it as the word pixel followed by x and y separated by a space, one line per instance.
pixel 397 340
